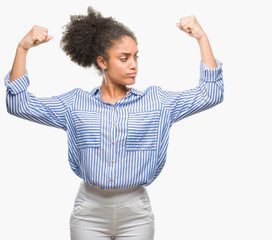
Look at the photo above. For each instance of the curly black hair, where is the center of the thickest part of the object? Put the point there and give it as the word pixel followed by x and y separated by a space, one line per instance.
pixel 88 36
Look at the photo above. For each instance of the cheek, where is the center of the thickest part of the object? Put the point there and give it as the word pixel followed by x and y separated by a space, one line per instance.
pixel 120 69
pixel 118 72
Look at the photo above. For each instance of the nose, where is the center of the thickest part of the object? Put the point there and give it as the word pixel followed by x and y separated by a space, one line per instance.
pixel 133 64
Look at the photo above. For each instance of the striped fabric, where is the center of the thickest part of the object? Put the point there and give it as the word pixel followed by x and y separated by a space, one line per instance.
pixel 120 145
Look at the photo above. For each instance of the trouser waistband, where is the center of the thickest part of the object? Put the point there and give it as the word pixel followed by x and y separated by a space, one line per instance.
pixel 112 195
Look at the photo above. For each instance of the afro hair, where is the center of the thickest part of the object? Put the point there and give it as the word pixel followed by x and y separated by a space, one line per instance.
pixel 86 37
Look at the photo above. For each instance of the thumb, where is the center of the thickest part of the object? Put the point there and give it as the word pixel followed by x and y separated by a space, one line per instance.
pixel 48 38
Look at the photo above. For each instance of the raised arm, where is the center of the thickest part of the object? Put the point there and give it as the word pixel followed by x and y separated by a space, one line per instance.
pixel 33 38
pixel 191 26
pixel 21 103
pixel 210 90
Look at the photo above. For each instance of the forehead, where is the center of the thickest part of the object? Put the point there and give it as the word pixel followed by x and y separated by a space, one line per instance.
pixel 125 45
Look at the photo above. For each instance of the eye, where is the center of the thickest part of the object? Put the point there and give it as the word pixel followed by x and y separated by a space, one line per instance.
pixel 125 59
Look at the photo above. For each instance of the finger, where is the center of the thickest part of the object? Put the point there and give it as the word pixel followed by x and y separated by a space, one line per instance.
pixel 48 38
pixel 180 26
pixel 37 27
pixel 180 23
pixel 39 38
pixel 183 24
pixel 44 29
pixel 40 32
pixel 183 28
pixel 43 32
pixel 188 27
pixel 44 36
pixel 184 21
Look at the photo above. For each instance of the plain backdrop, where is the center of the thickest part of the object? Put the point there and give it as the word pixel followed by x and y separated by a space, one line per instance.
pixel 216 183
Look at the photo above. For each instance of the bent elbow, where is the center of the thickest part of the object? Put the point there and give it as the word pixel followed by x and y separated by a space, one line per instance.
pixel 221 95
pixel 9 106
pixel 16 104
pixel 213 100
pixel 217 96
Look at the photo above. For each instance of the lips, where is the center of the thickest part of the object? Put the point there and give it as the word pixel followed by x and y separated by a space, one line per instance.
pixel 132 74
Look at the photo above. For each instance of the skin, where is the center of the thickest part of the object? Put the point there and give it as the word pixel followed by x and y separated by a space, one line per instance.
pixel 36 36
pixel 191 26
pixel 115 69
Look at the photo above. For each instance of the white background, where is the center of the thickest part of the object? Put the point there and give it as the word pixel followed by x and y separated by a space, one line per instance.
pixel 216 183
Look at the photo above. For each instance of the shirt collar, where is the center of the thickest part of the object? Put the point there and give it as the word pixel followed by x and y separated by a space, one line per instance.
pixel 132 90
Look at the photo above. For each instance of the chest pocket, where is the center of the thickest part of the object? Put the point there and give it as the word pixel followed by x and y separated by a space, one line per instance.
pixel 142 130
pixel 87 126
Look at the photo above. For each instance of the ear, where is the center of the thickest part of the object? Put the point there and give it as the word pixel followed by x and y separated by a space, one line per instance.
pixel 101 62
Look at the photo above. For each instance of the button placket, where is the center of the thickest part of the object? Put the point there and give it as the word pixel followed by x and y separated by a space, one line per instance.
pixel 112 160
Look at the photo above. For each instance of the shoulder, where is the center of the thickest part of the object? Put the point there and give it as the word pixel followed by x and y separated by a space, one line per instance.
pixel 70 93
pixel 149 89
pixel 79 91
pixel 154 89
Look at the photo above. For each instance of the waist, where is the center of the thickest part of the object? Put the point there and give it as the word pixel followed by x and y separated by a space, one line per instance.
pixel 111 195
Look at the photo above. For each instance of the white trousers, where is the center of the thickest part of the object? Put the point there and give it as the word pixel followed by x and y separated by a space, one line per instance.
pixel 121 214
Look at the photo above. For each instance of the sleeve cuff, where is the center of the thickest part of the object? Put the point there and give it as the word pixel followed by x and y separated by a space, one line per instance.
pixel 211 74
pixel 18 85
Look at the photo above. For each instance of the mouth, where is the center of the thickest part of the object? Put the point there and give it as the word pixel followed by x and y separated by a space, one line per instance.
pixel 132 74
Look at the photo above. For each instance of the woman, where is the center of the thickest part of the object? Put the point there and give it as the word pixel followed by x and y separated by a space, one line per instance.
pixel 117 136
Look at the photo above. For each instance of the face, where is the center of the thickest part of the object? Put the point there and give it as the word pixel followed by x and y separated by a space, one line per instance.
pixel 121 68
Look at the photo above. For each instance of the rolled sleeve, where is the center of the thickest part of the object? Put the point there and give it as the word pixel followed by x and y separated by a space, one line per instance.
pixel 208 93
pixel 18 85
pixel 50 111
pixel 211 74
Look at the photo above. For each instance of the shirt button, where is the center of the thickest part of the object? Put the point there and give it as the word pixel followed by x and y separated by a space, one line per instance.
pixel 114 109
pixel 129 93
pixel 112 142
pixel 111 179
pixel 113 124
pixel 112 161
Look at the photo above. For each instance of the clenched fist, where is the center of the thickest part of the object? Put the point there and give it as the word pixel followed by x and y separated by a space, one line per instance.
pixel 35 37
pixel 191 26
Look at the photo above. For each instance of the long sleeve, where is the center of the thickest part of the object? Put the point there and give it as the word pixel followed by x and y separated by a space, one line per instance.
pixel 207 94
pixel 48 111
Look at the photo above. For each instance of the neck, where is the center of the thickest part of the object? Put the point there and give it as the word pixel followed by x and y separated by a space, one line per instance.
pixel 113 90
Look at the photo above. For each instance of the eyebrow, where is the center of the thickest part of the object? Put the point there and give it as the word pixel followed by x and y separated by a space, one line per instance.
pixel 125 53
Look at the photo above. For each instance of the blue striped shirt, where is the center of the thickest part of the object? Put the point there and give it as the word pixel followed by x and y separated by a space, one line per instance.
pixel 116 145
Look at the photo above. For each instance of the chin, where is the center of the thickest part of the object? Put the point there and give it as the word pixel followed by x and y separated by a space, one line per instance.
pixel 131 81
